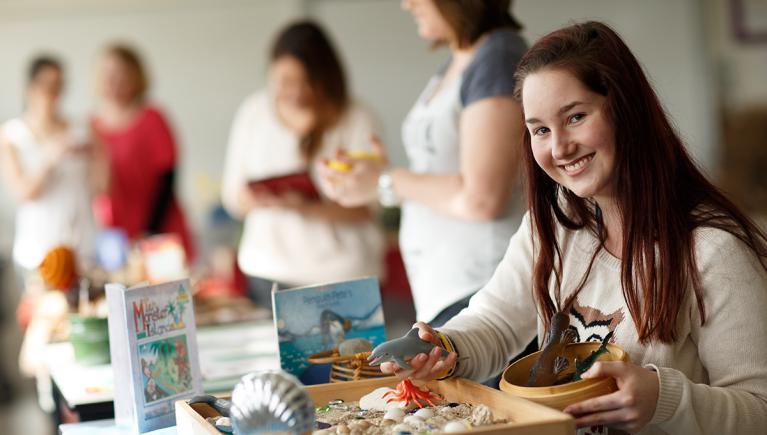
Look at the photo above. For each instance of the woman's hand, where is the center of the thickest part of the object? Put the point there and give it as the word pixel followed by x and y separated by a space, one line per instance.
pixel 424 367
pixel 630 408
pixel 350 180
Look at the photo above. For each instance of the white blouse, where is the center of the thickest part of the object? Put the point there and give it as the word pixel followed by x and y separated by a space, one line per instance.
pixel 62 214
pixel 285 245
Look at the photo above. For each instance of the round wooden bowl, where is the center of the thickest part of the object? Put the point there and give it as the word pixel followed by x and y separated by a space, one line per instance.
pixel 559 397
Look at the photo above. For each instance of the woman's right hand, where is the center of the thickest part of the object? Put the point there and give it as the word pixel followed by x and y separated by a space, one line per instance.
pixel 424 367
pixel 350 180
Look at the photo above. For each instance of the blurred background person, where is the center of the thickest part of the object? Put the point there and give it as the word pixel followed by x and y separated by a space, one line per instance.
pixel 52 168
pixel 142 151
pixel 462 137
pixel 305 114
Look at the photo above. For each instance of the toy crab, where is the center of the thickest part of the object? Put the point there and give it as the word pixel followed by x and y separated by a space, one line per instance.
pixel 407 392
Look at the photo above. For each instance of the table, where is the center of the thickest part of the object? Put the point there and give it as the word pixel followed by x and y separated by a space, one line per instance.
pixel 83 393
pixel 106 427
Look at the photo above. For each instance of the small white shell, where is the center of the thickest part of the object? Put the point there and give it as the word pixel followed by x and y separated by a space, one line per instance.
pixel 271 401
pixel 375 400
pixel 424 413
pixel 395 414
pixel 456 426
pixel 413 420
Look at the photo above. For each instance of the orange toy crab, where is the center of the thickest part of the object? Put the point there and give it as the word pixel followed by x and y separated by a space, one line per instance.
pixel 407 392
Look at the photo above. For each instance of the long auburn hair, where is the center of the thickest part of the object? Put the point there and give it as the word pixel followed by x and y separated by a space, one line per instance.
pixel 307 42
pixel 661 194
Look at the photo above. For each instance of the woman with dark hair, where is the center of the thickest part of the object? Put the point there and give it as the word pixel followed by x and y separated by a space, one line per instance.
pixel 142 152
pixel 303 116
pixel 53 168
pixel 626 237
pixel 462 137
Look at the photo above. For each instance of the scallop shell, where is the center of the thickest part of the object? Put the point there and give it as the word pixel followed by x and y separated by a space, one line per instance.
pixel 271 401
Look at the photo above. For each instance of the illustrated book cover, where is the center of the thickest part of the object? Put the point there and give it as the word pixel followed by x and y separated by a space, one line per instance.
pixel 318 318
pixel 153 345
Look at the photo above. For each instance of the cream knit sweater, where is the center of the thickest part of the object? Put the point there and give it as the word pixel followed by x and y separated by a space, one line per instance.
pixel 713 379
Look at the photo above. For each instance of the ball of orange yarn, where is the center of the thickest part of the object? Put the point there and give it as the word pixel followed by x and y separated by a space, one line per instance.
pixel 58 268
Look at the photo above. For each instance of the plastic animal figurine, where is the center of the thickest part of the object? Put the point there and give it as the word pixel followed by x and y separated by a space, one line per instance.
pixel 582 366
pixel 551 362
pixel 402 349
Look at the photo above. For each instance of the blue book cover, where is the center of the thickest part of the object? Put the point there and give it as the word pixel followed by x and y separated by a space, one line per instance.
pixel 315 319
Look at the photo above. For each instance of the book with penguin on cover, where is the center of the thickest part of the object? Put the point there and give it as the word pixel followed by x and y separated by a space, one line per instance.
pixel 153 345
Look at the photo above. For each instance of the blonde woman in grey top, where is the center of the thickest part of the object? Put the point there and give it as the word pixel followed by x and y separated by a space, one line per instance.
pixel 462 137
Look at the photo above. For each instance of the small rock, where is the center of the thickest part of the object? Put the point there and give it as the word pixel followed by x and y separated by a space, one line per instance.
pixel 456 426
pixel 359 425
pixel 402 429
pixel 387 422
pixel 342 429
pixel 481 415
pixel 224 424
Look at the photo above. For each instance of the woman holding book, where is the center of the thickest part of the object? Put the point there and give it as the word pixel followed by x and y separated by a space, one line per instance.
pixel 303 116
pixel 462 137
pixel 142 152
pixel 625 236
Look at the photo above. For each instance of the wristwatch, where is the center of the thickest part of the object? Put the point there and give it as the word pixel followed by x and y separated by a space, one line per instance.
pixel 386 195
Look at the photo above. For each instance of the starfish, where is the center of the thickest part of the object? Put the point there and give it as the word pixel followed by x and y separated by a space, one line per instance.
pixel 407 392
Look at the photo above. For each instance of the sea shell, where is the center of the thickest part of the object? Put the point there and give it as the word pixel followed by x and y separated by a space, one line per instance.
pixel 395 414
pixel 271 401
pixel 424 413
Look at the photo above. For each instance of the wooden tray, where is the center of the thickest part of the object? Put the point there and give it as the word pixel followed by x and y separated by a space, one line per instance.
pixel 527 418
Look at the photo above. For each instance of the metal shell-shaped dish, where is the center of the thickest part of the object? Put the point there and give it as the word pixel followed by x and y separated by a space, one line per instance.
pixel 272 401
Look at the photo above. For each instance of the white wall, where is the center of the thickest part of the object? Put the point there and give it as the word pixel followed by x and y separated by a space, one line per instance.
pixel 742 66
pixel 206 55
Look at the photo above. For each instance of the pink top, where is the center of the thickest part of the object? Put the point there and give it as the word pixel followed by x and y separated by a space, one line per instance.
pixel 139 154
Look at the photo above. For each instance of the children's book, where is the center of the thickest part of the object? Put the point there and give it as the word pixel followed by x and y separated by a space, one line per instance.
pixel 314 319
pixel 153 345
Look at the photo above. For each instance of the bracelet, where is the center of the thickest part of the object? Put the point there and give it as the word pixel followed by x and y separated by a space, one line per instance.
pixel 386 195
pixel 450 347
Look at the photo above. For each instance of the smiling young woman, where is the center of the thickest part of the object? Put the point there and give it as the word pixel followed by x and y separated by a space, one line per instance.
pixel 627 237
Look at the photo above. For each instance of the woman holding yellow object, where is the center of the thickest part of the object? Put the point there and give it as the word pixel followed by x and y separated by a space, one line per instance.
pixel 303 116
pixel 462 136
